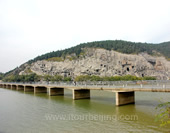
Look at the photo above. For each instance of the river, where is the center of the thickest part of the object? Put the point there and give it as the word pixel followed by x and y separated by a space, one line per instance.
pixel 22 112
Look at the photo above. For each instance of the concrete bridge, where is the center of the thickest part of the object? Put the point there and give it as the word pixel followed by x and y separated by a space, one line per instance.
pixel 125 90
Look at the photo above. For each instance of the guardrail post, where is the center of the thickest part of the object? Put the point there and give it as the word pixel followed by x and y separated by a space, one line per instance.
pixel 169 112
pixel 141 85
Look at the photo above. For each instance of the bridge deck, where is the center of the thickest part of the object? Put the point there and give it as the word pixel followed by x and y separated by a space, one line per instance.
pixel 125 87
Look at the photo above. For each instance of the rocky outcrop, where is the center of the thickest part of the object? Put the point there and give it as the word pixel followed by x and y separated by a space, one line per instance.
pixel 102 62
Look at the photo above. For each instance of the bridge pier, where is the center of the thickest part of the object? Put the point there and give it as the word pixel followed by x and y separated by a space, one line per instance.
pixel 81 94
pixel 9 86
pixel 55 91
pixel 14 87
pixel 20 88
pixel 29 89
pixel 40 89
pixel 4 85
pixel 1 86
pixel 123 98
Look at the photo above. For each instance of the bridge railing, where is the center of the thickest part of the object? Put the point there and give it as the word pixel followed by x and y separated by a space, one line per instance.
pixel 115 84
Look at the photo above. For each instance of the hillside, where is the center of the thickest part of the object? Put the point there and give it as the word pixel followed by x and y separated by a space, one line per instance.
pixel 103 59
pixel 117 45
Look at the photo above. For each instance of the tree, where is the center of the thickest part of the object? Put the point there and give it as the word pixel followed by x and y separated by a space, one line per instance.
pixel 57 78
pixel 113 78
pixel 22 78
pixel 47 77
pixel 163 115
pixel 1 76
pixel 67 79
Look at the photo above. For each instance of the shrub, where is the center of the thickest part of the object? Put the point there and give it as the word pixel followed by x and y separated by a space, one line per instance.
pixel 113 78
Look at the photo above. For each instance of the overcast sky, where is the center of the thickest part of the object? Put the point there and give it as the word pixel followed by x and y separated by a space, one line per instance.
pixel 29 28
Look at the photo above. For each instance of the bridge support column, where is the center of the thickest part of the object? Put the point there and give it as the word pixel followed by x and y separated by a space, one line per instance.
pixel 56 91
pixel 13 87
pixel 40 89
pixel 81 94
pixel 20 88
pixel 123 98
pixel 29 89
pixel 8 86
pixel 5 86
pixel 1 85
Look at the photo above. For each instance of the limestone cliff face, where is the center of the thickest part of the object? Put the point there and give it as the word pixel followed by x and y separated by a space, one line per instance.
pixel 102 62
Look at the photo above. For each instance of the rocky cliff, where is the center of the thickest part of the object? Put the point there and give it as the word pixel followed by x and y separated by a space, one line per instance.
pixel 101 62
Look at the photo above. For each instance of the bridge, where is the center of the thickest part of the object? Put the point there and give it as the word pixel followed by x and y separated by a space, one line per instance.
pixel 125 90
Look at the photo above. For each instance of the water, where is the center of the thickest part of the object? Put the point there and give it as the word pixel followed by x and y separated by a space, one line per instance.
pixel 39 113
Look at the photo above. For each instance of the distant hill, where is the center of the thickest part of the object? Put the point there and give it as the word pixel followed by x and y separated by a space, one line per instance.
pixel 117 45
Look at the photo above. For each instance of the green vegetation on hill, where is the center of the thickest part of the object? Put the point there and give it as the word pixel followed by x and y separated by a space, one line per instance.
pixel 113 78
pixel 34 78
pixel 22 78
pixel 55 59
pixel 1 75
pixel 117 45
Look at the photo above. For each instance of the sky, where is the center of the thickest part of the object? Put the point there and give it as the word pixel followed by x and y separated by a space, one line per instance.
pixel 29 28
